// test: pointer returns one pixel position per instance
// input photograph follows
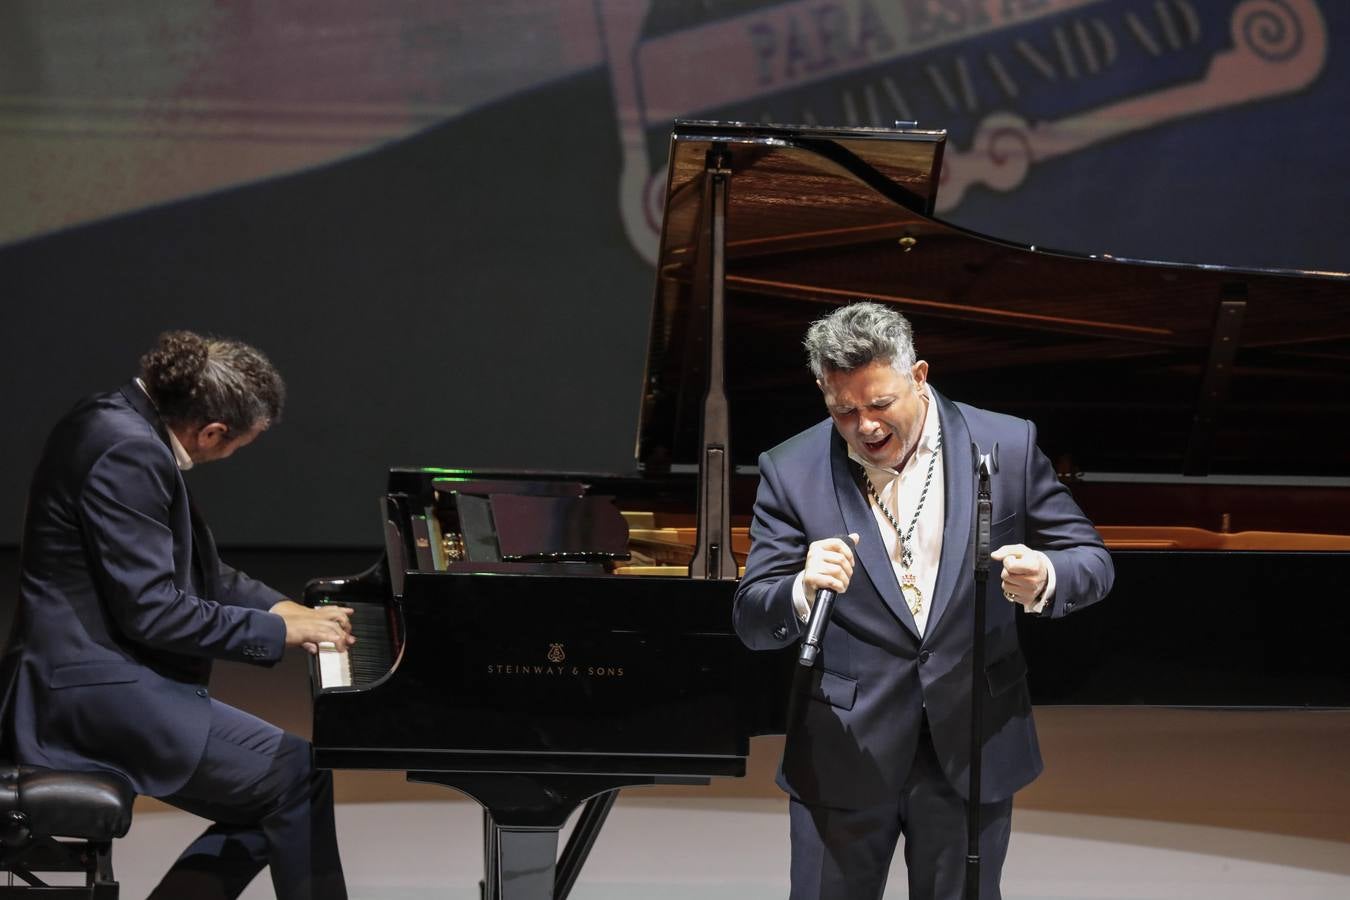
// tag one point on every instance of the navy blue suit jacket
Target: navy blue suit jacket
(123, 603)
(855, 718)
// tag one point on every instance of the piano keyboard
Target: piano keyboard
(366, 661)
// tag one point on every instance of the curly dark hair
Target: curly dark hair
(196, 379)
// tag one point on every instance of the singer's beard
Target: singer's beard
(910, 441)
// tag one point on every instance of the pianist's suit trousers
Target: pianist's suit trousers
(270, 808)
(845, 854)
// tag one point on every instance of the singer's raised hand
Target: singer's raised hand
(829, 565)
(1024, 573)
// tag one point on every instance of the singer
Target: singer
(879, 741)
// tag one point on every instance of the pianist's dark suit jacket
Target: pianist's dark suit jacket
(855, 718)
(123, 603)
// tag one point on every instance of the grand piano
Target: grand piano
(541, 640)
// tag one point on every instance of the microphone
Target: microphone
(815, 627)
(819, 618)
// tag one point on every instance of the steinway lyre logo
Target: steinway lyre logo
(556, 654)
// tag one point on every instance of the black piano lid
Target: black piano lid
(1121, 363)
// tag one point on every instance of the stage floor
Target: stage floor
(736, 849)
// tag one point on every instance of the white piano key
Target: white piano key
(335, 668)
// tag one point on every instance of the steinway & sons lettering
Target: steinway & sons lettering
(555, 671)
(554, 667)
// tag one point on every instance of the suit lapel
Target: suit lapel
(141, 403)
(958, 464)
(204, 558)
(858, 519)
(204, 550)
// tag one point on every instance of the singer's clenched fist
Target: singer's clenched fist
(829, 566)
(1024, 573)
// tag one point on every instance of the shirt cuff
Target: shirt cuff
(1049, 591)
(799, 604)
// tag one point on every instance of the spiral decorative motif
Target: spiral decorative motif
(1010, 153)
(1270, 28)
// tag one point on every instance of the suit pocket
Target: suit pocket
(836, 690)
(78, 674)
(1002, 531)
(1006, 672)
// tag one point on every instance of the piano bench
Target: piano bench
(53, 821)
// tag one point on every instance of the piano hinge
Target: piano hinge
(1216, 377)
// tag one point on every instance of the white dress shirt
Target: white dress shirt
(900, 491)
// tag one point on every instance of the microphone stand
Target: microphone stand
(983, 518)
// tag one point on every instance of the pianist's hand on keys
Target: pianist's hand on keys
(335, 666)
(309, 628)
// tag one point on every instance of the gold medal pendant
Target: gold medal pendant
(909, 588)
(913, 596)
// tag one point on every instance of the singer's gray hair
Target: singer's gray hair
(856, 335)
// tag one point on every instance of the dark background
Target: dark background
(467, 296)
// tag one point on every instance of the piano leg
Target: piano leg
(488, 887)
(522, 816)
(525, 861)
(579, 844)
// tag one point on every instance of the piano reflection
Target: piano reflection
(583, 638)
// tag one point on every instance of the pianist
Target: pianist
(124, 603)
(878, 741)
